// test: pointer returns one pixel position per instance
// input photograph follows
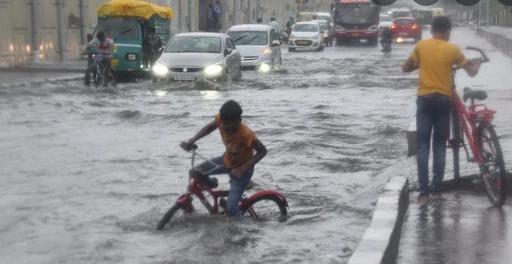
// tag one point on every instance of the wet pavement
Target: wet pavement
(463, 228)
(87, 173)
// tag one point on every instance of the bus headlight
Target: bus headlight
(213, 70)
(160, 70)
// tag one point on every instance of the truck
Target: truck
(127, 23)
(356, 20)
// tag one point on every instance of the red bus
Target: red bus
(356, 20)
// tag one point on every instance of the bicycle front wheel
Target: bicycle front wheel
(267, 208)
(492, 170)
(175, 212)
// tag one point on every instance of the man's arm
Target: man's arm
(410, 65)
(261, 151)
(205, 131)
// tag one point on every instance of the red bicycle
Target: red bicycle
(475, 123)
(264, 205)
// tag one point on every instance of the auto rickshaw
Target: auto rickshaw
(128, 23)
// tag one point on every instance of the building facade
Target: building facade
(55, 30)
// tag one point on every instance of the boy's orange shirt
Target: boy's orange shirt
(239, 145)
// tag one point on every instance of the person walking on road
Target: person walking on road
(435, 58)
(217, 15)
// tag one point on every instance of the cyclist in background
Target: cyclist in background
(435, 58)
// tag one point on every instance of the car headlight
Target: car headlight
(326, 35)
(160, 70)
(267, 51)
(265, 68)
(213, 70)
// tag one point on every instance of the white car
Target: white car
(258, 44)
(195, 56)
(385, 21)
(306, 36)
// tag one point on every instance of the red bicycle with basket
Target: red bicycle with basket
(266, 205)
(475, 123)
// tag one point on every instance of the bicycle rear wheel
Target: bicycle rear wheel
(493, 170)
(174, 212)
(266, 208)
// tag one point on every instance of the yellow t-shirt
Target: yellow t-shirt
(436, 60)
(239, 145)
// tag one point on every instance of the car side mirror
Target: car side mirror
(322, 32)
(276, 43)
(227, 52)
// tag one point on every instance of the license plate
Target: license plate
(185, 77)
(355, 34)
(403, 34)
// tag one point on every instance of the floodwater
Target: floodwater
(86, 174)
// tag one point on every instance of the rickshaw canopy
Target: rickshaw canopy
(134, 8)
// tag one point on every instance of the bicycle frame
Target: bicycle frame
(197, 188)
(470, 118)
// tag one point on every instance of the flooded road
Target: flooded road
(86, 174)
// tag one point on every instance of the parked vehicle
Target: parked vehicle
(406, 27)
(258, 45)
(128, 23)
(328, 32)
(356, 20)
(196, 56)
(306, 36)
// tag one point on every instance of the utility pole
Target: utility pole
(60, 29)
(81, 6)
(35, 30)
(189, 22)
(488, 12)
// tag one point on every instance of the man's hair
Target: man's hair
(441, 24)
(231, 111)
(272, 19)
(89, 37)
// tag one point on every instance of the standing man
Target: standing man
(217, 13)
(435, 58)
(151, 46)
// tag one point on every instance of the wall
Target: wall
(17, 45)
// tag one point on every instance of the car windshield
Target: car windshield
(305, 28)
(119, 29)
(386, 19)
(194, 44)
(241, 38)
(357, 14)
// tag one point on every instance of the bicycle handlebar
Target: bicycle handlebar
(484, 56)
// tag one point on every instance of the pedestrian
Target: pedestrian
(209, 17)
(217, 13)
(275, 25)
(91, 67)
(151, 47)
(435, 58)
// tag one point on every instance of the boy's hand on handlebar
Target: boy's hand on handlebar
(188, 145)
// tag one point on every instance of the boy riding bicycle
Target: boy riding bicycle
(238, 160)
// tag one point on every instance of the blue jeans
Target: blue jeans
(237, 186)
(433, 113)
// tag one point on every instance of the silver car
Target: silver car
(259, 45)
(195, 56)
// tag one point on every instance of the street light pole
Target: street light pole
(60, 29)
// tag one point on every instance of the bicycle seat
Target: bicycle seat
(212, 182)
(474, 94)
